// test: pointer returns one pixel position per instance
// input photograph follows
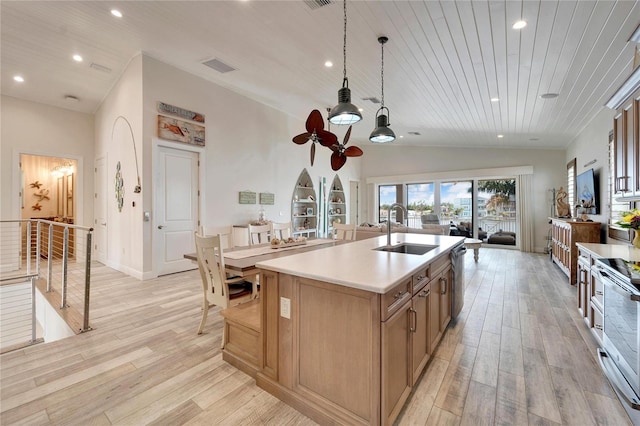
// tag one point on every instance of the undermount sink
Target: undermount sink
(407, 248)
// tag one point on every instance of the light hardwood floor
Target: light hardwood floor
(518, 354)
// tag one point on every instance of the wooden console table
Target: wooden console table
(565, 233)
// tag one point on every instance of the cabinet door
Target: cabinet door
(620, 178)
(445, 299)
(582, 287)
(420, 344)
(434, 314)
(396, 374)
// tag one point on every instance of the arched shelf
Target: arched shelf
(304, 206)
(336, 203)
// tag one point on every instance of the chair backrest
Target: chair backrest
(259, 234)
(212, 269)
(225, 232)
(344, 231)
(430, 219)
(281, 231)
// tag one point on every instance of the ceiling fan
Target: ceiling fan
(341, 152)
(316, 133)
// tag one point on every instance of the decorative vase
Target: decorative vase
(636, 239)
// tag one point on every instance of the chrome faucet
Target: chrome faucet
(389, 220)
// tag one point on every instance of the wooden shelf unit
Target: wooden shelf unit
(565, 233)
(304, 198)
(336, 204)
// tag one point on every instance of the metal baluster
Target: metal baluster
(50, 258)
(33, 309)
(65, 255)
(38, 230)
(87, 284)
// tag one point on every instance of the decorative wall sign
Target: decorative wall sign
(180, 112)
(177, 130)
(267, 198)
(247, 197)
(119, 185)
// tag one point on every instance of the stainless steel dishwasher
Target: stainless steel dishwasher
(457, 292)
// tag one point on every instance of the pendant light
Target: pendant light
(345, 112)
(382, 133)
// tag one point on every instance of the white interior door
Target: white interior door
(99, 240)
(176, 209)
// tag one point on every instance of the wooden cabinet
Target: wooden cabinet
(396, 373)
(336, 204)
(420, 344)
(444, 281)
(304, 206)
(590, 292)
(626, 179)
(565, 233)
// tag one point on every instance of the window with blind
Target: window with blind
(571, 185)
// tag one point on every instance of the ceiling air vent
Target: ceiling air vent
(414, 133)
(317, 4)
(218, 65)
(372, 99)
(100, 67)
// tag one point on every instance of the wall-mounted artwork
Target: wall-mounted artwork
(247, 197)
(177, 130)
(180, 112)
(119, 186)
(267, 198)
(68, 195)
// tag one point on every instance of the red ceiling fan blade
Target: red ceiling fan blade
(315, 121)
(353, 151)
(347, 135)
(326, 138)
(335, 147)
(337, 160)
(313, 152)
(301, 138)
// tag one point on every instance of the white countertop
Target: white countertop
(358, 265)
(621, 251)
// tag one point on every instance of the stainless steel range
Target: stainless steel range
(621, 338)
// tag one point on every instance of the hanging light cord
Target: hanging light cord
(344, 45)
(382, 74)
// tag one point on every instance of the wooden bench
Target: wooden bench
(242, 336)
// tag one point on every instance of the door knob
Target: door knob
(160, 226)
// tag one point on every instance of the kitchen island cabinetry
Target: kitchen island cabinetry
(348, 343)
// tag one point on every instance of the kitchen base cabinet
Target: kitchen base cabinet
(396, 374)
(444, 282)
(420, 344)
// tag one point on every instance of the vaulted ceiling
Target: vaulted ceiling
(444, 61)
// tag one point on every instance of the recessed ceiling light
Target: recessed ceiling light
(534, 139)
(548, 96)
(360, 109)
(401, 136)
(495, 99)
(19, 78)
(500, 136)
(116, 13)
(518, 25)
(77, 58)
(328, 64)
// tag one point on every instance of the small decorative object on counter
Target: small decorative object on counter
(631, 220)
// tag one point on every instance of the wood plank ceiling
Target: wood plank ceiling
(444, 60)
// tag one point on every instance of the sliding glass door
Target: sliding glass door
(496, 207)
(456, 207)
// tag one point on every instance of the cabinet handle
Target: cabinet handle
(599, 293)
(443, 280)
(414, 320)
(398, 295)
(424, 293)
(598, 326)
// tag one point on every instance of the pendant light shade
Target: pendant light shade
(345, 112)
(382, 133)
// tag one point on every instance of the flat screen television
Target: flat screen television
(587, 193)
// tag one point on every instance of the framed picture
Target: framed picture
(338, 211)
(309, 211)
(69, 196)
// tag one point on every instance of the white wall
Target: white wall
(33, 128)
(593, 144)
(549, 171)
(113, 141)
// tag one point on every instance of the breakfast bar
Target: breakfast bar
(345, 331)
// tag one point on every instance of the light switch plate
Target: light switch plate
(285, 308)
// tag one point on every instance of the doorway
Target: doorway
(176, 195)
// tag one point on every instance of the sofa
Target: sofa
(367, 230)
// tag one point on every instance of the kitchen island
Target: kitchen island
(345, 331)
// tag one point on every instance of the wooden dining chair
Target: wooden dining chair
(344, 231)
(259, 234)
(281, 231)
(218, 290)
(225, 232)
